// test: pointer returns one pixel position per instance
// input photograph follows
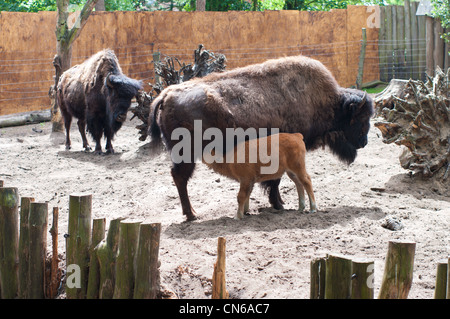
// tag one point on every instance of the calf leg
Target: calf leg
(82, 128)
(300, 175)
(181, 173)
(243, 198)
(108, 147)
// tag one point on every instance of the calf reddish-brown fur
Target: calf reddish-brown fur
(293, 94)
(290, 158)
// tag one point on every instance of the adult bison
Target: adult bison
(293, 94)
(97, 93)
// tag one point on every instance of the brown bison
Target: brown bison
(294, 94)
(98, 94)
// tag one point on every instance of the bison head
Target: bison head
(351, 124)
(120, 91)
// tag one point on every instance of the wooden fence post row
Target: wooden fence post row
(339, 277)
(123, 265)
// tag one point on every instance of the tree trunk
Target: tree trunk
(9, 242)
(38, 249)
(100, 6)
(398, 271)
(147, 281)
(200, 5)
(65, 37)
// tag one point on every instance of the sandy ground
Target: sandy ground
(268, 252)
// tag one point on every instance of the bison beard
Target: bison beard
(99, 95)
(294, 94)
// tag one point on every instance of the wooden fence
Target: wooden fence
(124, 264)
(28, 44)
(410, 44)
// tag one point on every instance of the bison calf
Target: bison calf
(289, 153)
(99, 95)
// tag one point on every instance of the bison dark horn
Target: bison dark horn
(108, 82)
(363, 100)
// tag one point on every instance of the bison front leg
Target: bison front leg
(82, 128)
(181, 173)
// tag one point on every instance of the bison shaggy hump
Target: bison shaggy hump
(294, 94)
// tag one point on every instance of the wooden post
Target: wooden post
(440, 291)
(408, 40)
(106, 252)
(415, 54)
(98, 234)
(421, 26)
(388, 12)
(219, 290)
(9, 241)
(448, 278)
(382, 52)
(338, 275)
(362, 55)
(78, 242)
(147, 280)
(438, 44)
(362, 279)
(398, 271)
(430, 45)
(318, 271)
(24, 246)
(38, 249)
(55, 273)
(157, 58)
(128, 240)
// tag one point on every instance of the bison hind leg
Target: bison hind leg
(271, 188)
(82, 128)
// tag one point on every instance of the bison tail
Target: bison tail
(154, 130)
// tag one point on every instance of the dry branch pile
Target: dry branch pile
(417, 115)
(205, 62)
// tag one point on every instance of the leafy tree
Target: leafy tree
(441, 10)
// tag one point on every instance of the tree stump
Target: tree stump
(317, 286)
(38, 249)
(106, 252)
(362, 279)
(98, 234)
(398, 270)
(9, 242)
(78, 241)
(417, 116)
(440, 291)
(147, 280)
(24, 246)
(338, 277)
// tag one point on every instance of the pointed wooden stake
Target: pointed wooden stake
(219, 290)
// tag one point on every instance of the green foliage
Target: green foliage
(441, 10)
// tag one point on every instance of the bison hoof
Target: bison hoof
(87, 149)
(68, 147)
(277, 206)
(110, 151)
(190, 217)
